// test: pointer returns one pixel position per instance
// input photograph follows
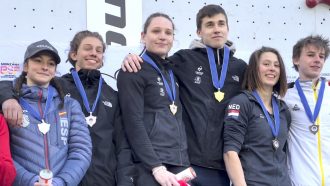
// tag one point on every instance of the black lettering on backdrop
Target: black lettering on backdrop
(119, 22)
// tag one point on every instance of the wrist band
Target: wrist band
(158, 169)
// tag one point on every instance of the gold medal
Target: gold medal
(219, 95)
(43, 127)
(173, 108)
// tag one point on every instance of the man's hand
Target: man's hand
(12, 112)
(131, 63)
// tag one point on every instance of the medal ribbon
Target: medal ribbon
(275, 128)
(218, 83)
(312, 117)
(33, 112)
(170, 92)
(40, 117)
(82, 92)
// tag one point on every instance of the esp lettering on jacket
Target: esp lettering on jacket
(64, 124)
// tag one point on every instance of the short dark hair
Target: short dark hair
(318, 41)
(154, 15)
(209, 11)
(252, 78)
(77, 39)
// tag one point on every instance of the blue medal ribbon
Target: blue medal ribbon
(275, 128)
(312, 117)
(170, 92)
(218, 83)
(33, 112)
(82, 92)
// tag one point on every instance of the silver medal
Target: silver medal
(314, 128)
(276, 144)
(26, 120)
(173, 108)
(91, 120)
(44, 127)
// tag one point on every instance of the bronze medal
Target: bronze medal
(276, 144)
(314, 129)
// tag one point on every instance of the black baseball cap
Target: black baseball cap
(40, 46)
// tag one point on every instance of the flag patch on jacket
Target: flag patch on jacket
(233, 113)
(233, 110)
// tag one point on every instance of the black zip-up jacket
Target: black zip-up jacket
(111, 155)
(247, 132)
(202, 113)
(156, 135)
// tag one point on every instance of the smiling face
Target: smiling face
(159, 36)
(310, 62)
(214, 31)
(40, 70)
(268, 70)
(89, 54)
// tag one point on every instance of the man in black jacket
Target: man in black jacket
(204, 96)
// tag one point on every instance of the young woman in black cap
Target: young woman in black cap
(53, 146)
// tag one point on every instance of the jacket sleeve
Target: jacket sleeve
(9, 93)
(23, 176)
(131, 96)
(80, 147)
(125, 171)
(7, 168)
(236, 123)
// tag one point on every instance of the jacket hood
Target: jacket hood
(197, 43)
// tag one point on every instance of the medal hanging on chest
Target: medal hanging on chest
(218, 83)
(219, 95)
(311, 116)
(314, 128)
(43, 126)
(173, 108)
(171, 91)
(275, 126)
(276, 144)
(90, 120)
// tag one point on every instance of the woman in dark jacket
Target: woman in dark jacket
(152, 111)
(256, 124)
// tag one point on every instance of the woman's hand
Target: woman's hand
(131, 63)
(164, 177)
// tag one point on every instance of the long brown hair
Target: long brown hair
(251, 78)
